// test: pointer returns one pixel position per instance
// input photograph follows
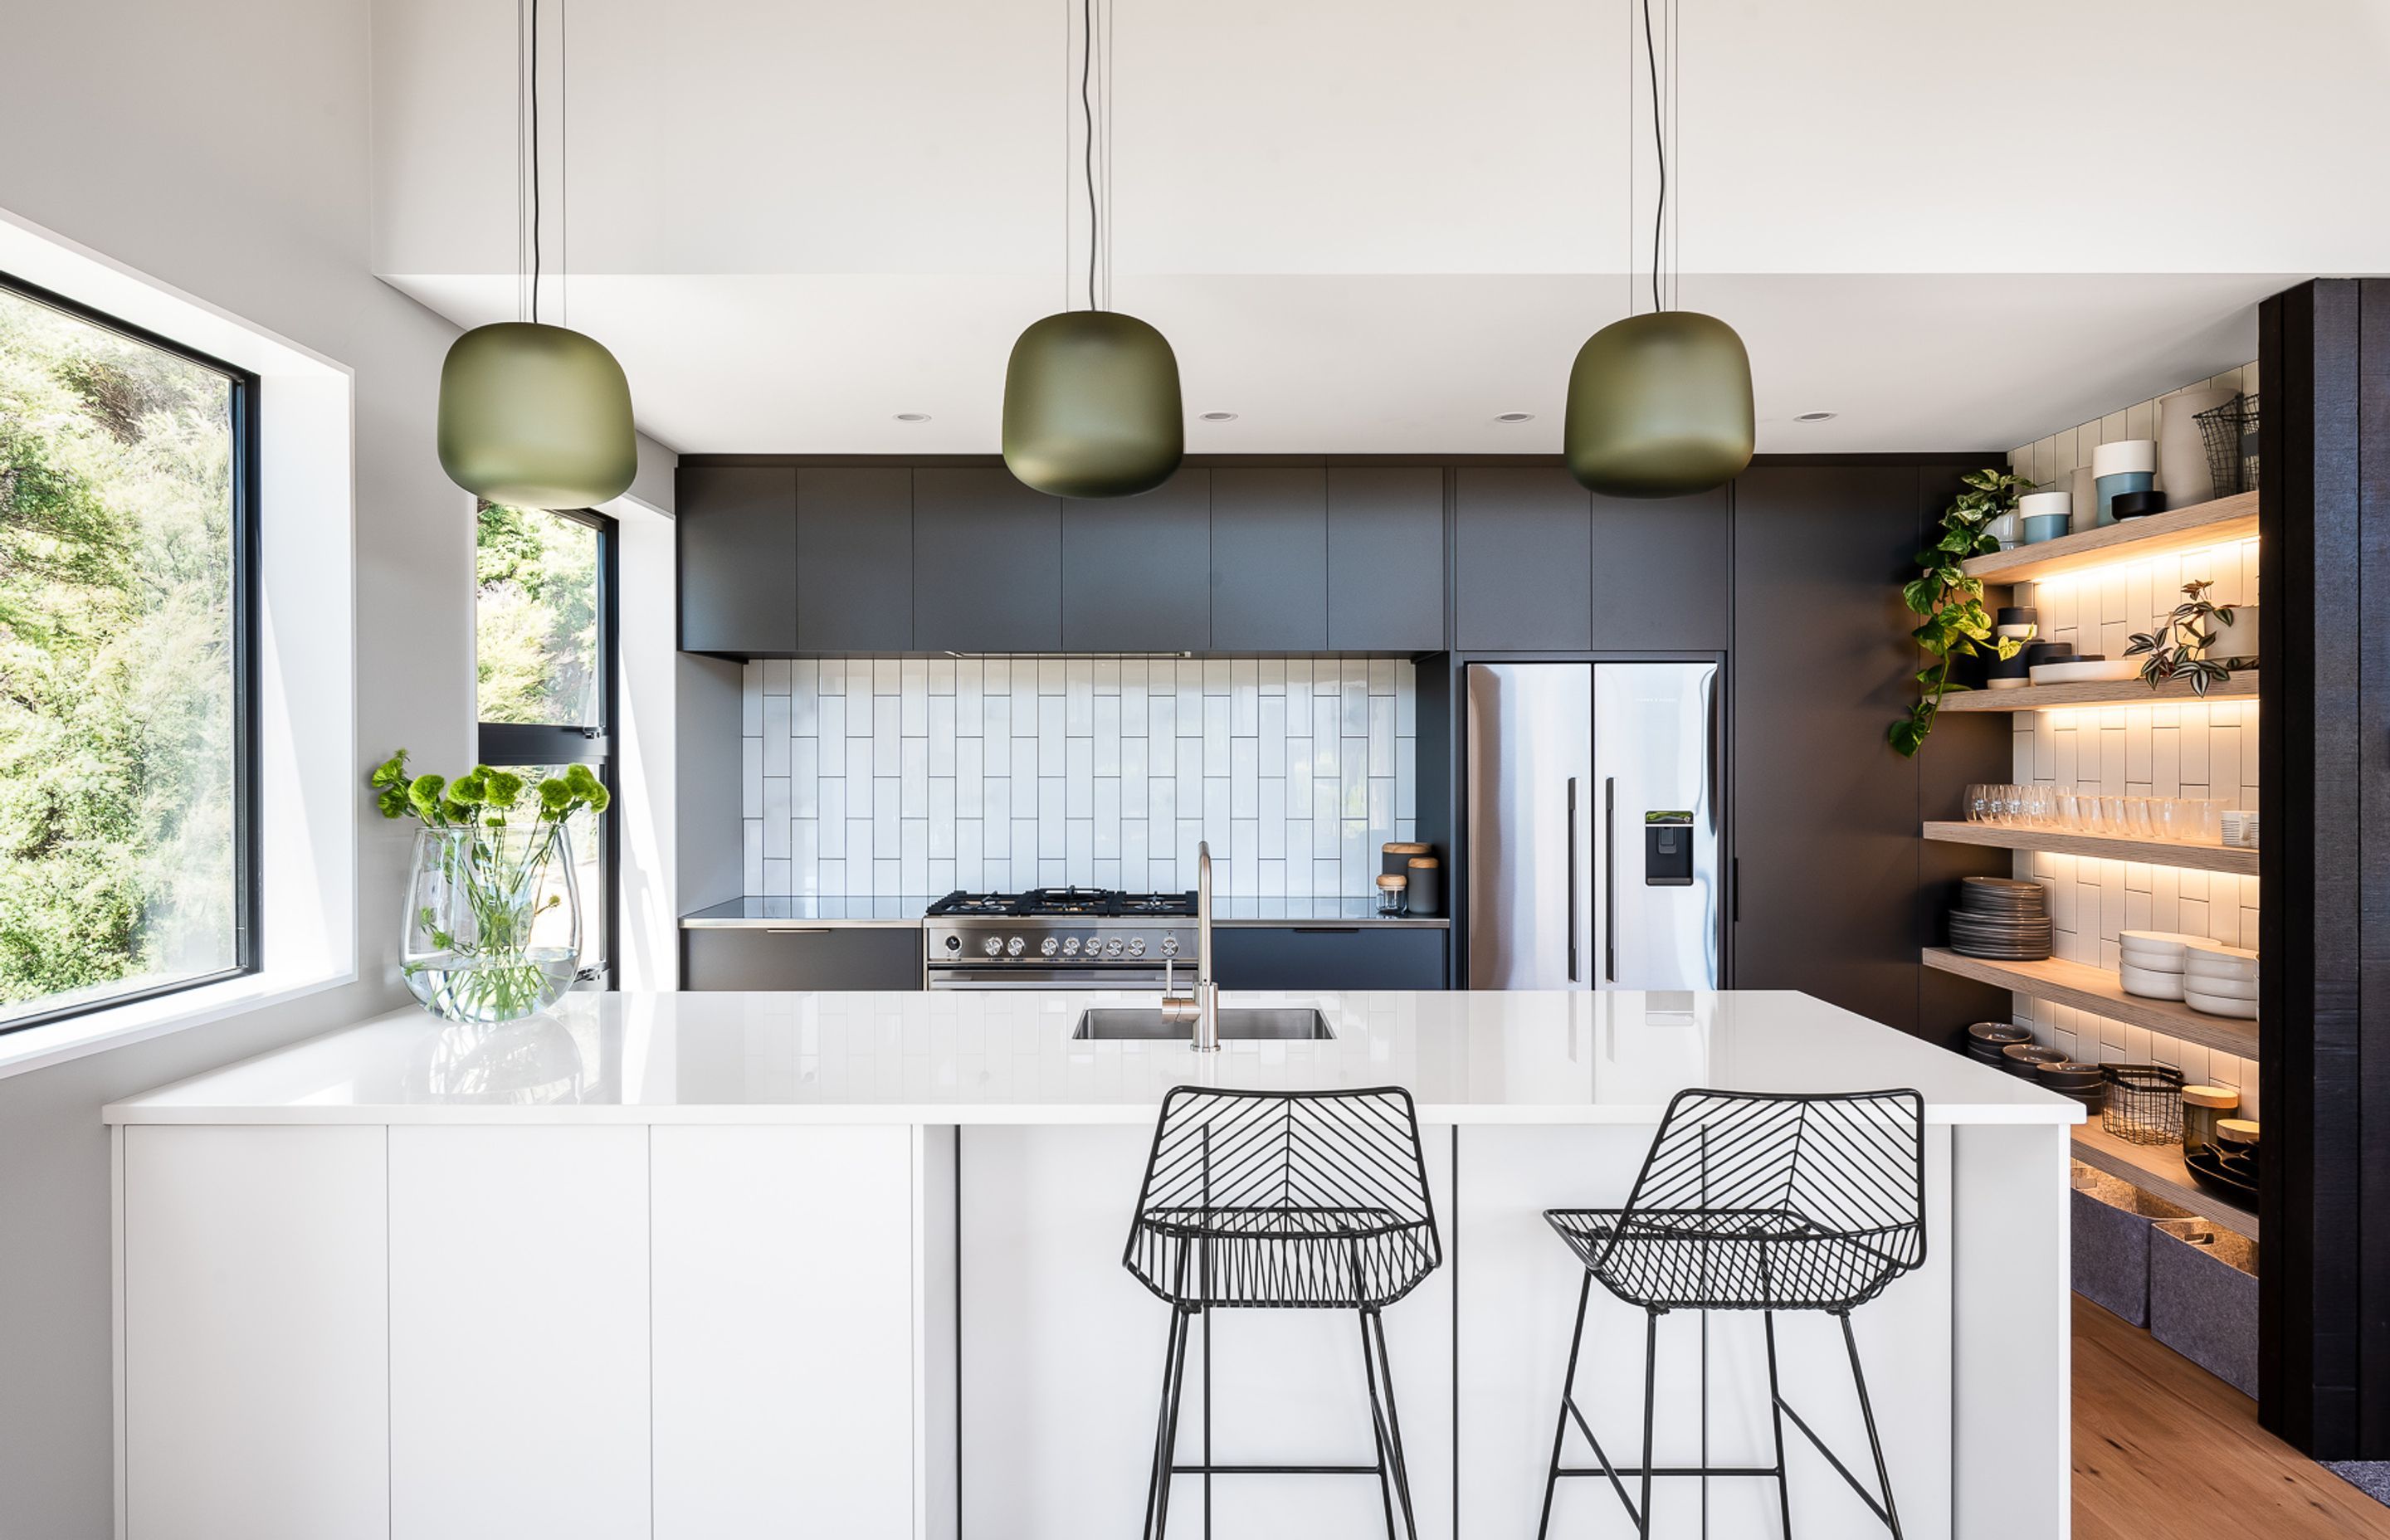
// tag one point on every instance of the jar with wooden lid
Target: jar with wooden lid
(2202, 1108)
(1393, 893)
(1395, 856)
(1426, 894)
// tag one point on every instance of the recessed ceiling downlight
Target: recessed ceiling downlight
(1514, 416)
(1815, 417)
(1219, 417)
(912, 416)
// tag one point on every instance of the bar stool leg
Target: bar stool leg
(1776, 1415)
(1651, 1385)
(1867, 1410)
(1560, 1428)
(1376, 1421)
(1377, 1322)
(1166, 1437)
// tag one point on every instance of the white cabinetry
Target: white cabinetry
(255, 1348)
(518, 1332)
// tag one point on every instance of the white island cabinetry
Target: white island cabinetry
(683, 1266)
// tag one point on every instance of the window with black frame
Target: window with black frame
(128, 495)
(543, 647)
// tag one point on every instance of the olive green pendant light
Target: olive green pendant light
(1091, 402)
(535, 416)
(1659, 405)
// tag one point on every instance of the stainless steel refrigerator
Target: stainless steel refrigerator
(1593, 827)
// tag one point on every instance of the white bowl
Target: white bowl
(2172, 941)
(2216, 1005)
(2080, 670)
(2035, 505)
(2217, 955)
(2222, 989)
(2147, 985)
(2122, 456)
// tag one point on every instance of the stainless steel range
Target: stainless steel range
(1057, 938)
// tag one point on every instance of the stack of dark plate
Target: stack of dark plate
(2025, 1060)
(2068, 1078)
(2004, 919)
(1985, 1039)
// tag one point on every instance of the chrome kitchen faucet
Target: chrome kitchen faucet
(1200, 1010)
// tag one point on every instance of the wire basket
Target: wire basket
(2144, 1103)
(2229, 433)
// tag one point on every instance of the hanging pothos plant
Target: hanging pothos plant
(1957, 624)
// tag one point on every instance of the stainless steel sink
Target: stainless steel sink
(1248, 1024)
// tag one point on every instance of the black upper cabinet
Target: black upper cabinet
(854, 559)
(987, 564)
(1523, 561)
(736, 527)
(1269, 560)
(1385, 558)
(1662, 573)
(1136, 570)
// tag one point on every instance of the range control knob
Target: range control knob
(1135, 946)
(1170, 946)
(1050, 947)
(1113, 947)
(1070, 946)
(1014, 948)
(991, 945)
(954, 943)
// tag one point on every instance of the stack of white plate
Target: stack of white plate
(2153, 962)
(2220, 980)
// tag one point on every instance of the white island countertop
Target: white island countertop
(963, 1056)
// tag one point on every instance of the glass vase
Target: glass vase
(492, 922)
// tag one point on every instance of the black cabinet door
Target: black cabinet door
(854, 559)
(835, 957)
(1826, 815)
(1523, 561)
(1663, 573)
(1136, 570)
(1329, 957)
(1269, 560)
(735, 528)
(987, 564)
(1385, 558)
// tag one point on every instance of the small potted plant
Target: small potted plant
(494, 915)
(2178, 649)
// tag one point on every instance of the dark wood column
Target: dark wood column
(2324, 767)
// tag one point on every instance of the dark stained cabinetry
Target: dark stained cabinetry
(1137, 570)
(735, 527)
(830, 957)
(1328, 956)
(987, 564)
(1662, 573)
(1523, 561)
(854, 559)
(1269, 560)
(1385, 558)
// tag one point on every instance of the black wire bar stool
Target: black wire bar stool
(1758, 1202)
(1285, 1200)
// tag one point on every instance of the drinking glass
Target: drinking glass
(2137, 817)
(1978, 803)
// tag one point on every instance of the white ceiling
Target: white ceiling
(1369, 225)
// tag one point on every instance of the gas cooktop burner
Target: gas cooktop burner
(1064, 903)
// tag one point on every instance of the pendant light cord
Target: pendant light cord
(534, 157)
(1659, 147)
(1088, 112)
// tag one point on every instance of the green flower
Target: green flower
(456, 812)
(500, 788)
(580, 778)
(393, 801)
(555, 796)
(599, 799)
(473, 786)
(390, 773)
(424, 794)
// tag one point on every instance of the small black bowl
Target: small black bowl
(2137, 505)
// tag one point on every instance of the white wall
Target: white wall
(224, 150)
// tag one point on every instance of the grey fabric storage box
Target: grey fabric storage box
(2111, 1228)
(2204, 1298)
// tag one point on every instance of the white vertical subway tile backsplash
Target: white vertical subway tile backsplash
(892, 777)
(2187, 749)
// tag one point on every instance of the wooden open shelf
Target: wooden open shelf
(2158, 1168)
(2059, 842)
(2098, 991)
(2192, 528)
(2098, 692)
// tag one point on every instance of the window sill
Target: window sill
(139, 1021)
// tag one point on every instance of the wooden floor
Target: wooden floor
(2166, 1451)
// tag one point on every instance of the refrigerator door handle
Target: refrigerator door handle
(1572, 880)
(1610, 878)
